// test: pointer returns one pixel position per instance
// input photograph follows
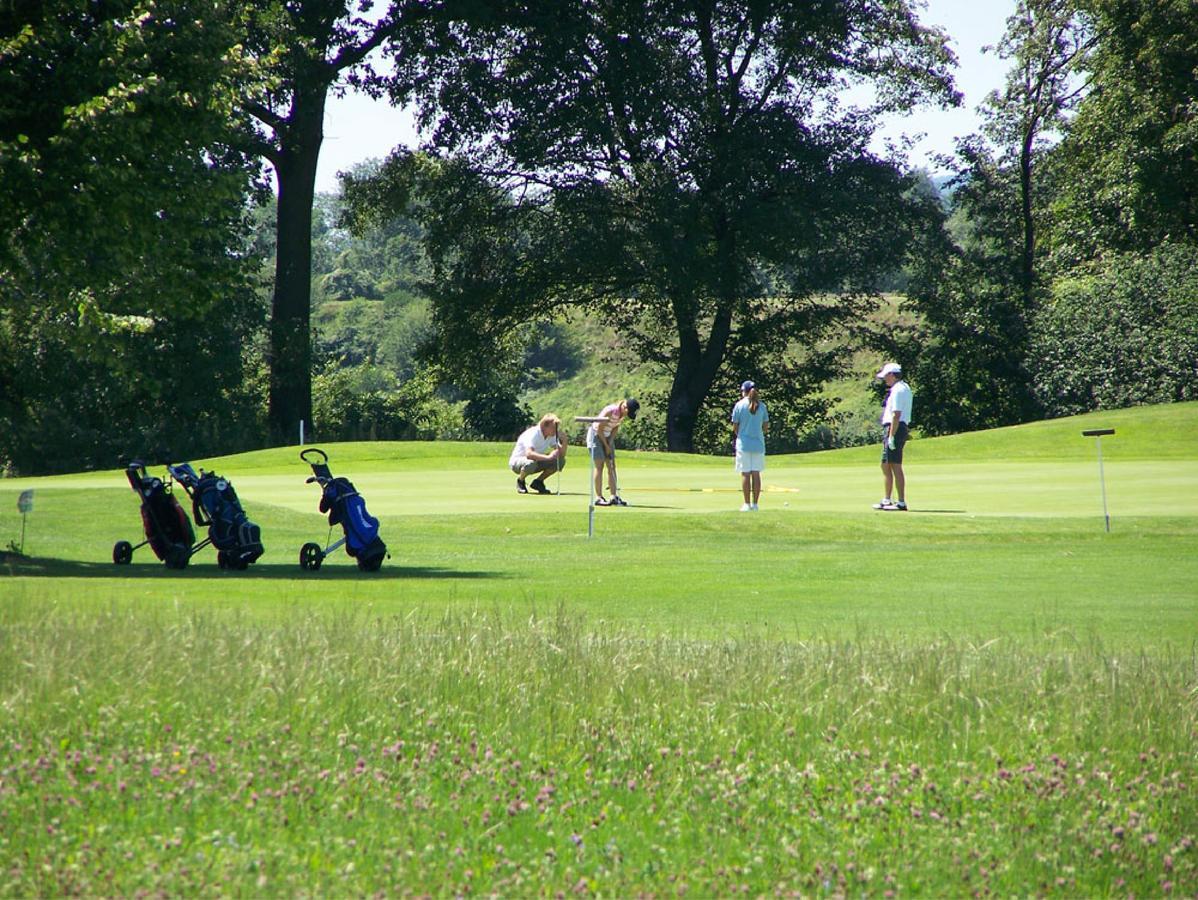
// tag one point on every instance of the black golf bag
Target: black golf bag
(168, 530)
(214, 505)
(347, 508)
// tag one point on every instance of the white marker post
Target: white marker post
(301, 443)
(590, 420)
(24, 507)
(1097, 434)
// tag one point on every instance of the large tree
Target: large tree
(126, 294)
(1129, 163)
(688, 166)
(305, 49)
(1046, 42)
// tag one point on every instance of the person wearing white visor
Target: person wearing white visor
(896, 424)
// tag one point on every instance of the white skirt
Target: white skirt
(750, 462)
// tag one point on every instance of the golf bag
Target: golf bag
(168, 530)
(347, 508)
(214, 505)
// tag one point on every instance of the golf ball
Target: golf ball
(786, 503)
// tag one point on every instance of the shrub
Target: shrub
(359, 403)
(1124, 334)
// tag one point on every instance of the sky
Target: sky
(357, 128)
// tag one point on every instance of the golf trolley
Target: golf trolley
(168, 530)
(347, 508)
(215, 505)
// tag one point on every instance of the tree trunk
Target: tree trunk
(290, 338)
(1028, 257)
(696, 372)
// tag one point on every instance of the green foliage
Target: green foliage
(688, 172)
(494, 415)
(362, 402)
(122, 190)
(188, 386)
(552, 353)
(1125, 333)
(406, 331)
(350, 331)
(1016, 318)
(126, 286)
(1129, 154)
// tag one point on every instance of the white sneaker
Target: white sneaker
(745, 507)
(753, 507)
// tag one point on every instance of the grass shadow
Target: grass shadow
(44, 567)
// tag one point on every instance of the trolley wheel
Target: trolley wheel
(122, 553)
(311, 556)
(221, 559)
(177, 557)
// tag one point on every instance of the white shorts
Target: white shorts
(749, 462)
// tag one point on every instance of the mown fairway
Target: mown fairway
(987, 693)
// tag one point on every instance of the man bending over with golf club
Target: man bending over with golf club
(601, 437)
(541, 448)
(896, 420)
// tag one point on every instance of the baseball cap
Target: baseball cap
(891, 368)
(633, 406)
(747, 386)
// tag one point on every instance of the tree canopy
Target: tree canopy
(123, 190)
(689, 168)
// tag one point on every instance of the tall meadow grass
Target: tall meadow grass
(476, 752)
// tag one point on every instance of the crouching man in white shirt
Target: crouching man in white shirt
(541, 448)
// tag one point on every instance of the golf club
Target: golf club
(617, 500)
(558, 459)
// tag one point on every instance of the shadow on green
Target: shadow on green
(68, 568)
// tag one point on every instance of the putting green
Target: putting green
(989, 547)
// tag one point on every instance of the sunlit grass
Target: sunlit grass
(347, 754)
(988, 694)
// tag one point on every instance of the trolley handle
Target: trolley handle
(324, 457)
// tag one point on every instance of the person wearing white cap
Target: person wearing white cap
(750, 425)
(896, 424)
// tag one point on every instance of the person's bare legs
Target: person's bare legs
(598, 478)
(746, 485)
(900, 482)
(756, 487)
(888, 479)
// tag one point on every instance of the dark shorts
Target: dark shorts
(896, 455)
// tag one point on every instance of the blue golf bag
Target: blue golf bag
(214, 505)
(167, 529)
(347, 508)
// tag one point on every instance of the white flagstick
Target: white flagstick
(1097, 434)
(591, 478)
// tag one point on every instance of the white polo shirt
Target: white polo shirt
(532, 439)
(899, 398)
